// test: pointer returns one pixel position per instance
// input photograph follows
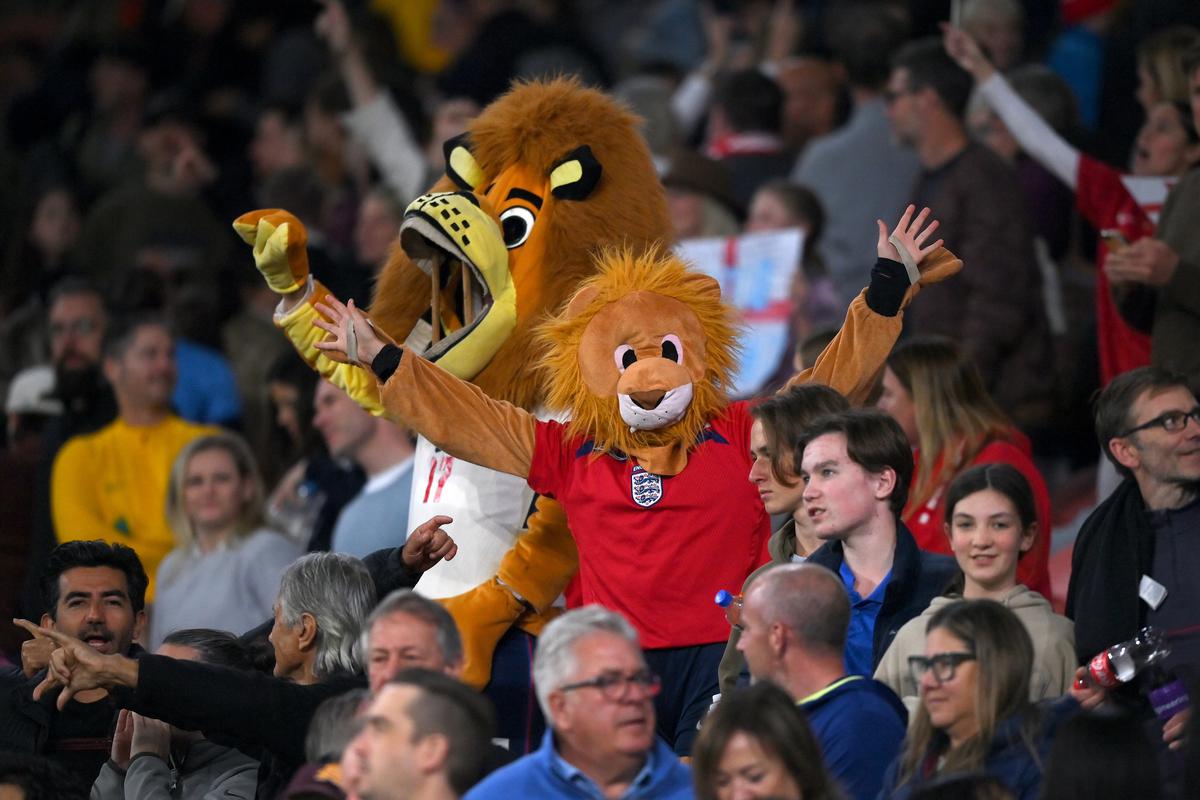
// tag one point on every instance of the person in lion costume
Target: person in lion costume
(543, 178)
(651, 465)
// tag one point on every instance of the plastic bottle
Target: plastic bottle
(732, 603)
(296, 514)
(1122, 662)
(1143, 653)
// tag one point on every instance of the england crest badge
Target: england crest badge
(646, 488)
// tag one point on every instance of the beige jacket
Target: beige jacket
(1053, 648)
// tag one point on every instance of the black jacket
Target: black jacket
(26, 724)
(1114, 549)
(917, 578)
(248, 710)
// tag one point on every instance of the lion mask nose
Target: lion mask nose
(648, 400)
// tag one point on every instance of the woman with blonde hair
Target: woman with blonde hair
(975, 713)
(938, 397)
(224, 571)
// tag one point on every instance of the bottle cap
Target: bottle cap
(723, 599)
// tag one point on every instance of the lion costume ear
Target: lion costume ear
(461, 166)
(576, 176)
(708, 285)
(580, 301)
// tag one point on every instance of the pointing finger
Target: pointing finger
(47, 633)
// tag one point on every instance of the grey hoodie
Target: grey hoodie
(208, 772)
(1053, 648)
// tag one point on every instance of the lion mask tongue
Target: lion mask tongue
(670, 409)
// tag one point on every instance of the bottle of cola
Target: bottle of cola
(1122, 662)
(1144, 653)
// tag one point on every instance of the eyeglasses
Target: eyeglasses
(615, 686)
(79, 327)
(943, 665)
(1170, 421)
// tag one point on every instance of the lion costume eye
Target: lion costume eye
(624, 357)
(672, 348)
(518, 224)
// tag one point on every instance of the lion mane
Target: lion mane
(621, 272)
(536, 124)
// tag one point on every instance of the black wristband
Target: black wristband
(889, 282)
(386, 361)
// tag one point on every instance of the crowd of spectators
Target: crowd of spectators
(206, 547)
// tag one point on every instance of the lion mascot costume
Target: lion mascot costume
(544, 177)
(651, 465)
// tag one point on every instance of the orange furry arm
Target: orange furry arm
(458, 417)
(851, 363)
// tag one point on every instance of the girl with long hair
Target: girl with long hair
(938, 397)
(990, 523)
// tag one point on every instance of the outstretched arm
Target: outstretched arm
(451, 413)
(279, 240)
(250, 708)
(1034, 134)
(852, 361)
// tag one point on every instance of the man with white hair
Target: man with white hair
(598, 696)
(322, 602)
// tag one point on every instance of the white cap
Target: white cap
(31, 392)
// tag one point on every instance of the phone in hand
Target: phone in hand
(1114, 239)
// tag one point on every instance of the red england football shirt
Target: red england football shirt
(1107, 199)
(658, 548)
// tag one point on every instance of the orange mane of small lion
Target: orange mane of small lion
(621, 273)
(537, 124)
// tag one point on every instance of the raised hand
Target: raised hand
(150, 736)
(123, 739)
(907, 237)
(333, 26)
(428, 544)
(353, 338)
(35, 652)
(966, 52)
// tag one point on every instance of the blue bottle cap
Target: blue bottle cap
(723, 599)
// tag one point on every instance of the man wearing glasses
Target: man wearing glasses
(1137, 557)
(794, 625)
(598, 697)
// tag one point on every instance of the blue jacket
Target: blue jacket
(860, 725)
(544, 775)
(1012, 759)
(917, 578)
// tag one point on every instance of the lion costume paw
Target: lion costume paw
(279, 241)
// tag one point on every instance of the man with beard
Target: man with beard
(95, 592)
(112, 484)
(77, 322)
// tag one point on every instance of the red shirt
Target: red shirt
(657, 549)
(927, 522)
(1107, 202)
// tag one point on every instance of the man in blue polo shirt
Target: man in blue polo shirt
(856, 467)
(598, 697)
(794, 624)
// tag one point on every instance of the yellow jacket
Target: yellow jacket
(112, 485)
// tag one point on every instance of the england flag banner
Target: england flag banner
(755, 271)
